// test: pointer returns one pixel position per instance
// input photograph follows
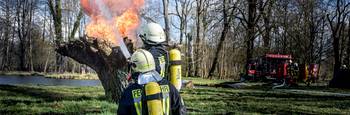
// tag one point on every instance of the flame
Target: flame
(112, 19)
(127, 22)
(101, 29)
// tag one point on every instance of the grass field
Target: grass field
(87, 76)
(202, 100)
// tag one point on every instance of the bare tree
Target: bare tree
(265, 8)
(107, 60)
(199, 35)
(183, 10)
(6, 31)
(348, 46)
(251, 25)
(24, 18)
(336, 23)
(227, 18)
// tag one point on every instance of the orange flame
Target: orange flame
(101, 29)
(122, 17)
(127, 22)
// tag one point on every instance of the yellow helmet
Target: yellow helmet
(142, 61)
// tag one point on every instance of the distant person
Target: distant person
(296, 67)
(150, 93)
(293, 71)
(344, 67)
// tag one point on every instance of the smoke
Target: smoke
(110, 7)
(104, 9)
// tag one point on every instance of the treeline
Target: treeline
(27, 37)
(220, 36)
(217, 37)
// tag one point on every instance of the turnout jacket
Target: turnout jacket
(127, 105)
(161, 59)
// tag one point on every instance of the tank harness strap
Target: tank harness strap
(154, 97)
(137, 94)
(166, 99)
(176, 62)
(167, 64)
(162, 65)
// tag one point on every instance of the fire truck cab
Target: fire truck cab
(269, 66)
(278, 67)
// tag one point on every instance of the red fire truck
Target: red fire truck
(270, 66)
(276, 66)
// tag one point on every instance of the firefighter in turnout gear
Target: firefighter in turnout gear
(153, 37)
(150, 94)
(168, 64)
(293, 71)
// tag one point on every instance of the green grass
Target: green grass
(249, 101)
(53, 100)
(71, 76)
(51, 75)
(208, 82)
(23, 99)
(19, 73)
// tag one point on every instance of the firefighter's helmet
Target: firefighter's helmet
(142, 61)
(153, 33)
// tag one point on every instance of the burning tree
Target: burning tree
(103, 48)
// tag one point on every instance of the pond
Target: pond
(40, 80)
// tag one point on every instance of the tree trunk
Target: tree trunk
(22, 57)
(46, 62)
(6, 42)
(30, 36)
(321, 46)
(250, 32)
(22, 32)
(76, 24)
(191, 67)
(166, 20)
(336, 25)
(73, 67)
(342, 39)
(226, 26)
(199, 30)
(56, 11)
(266, 35)
(30, 55)
(267, 24)
(337, 62)
(348, 46)
(113, 81)
(106, 60)
(5, 50)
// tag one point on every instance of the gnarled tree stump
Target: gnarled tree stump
(106, 59)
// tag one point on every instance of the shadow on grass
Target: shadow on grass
(12, 97)
(10, 102)
(264, 92)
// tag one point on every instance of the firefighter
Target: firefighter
(343, 67)
(153, 38)
(292, 72)
(150, 93)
